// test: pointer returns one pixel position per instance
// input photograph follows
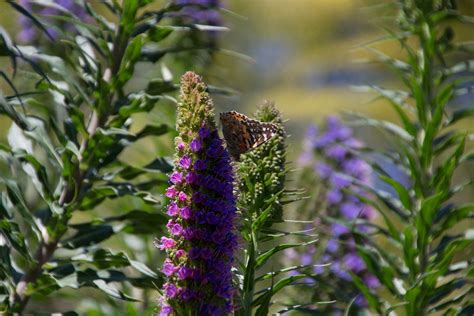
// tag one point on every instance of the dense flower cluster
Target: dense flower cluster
(330, 154)
(30, 33)
(262, 173)
(201, 239)
(201, 11)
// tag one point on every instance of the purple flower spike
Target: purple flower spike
(166, 310)
(182, 197)
(331, 153)
(186, 212)
(200, 165)
(171, 192)
(173, 209)
(170, 289)
(334, 196)
(167, 243)
(201, 251)
(185, 162)
(176, 177)
(195, 145)
(204, 132)
(168, 268)
(340, 181)
(191, 177)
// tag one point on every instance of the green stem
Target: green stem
(249, 278)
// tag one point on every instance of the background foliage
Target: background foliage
(73, 118)
(422, 265)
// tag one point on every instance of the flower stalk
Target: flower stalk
(201, 242)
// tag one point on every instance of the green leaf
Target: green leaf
(87, 236)
(371, 298)
(111, 290)
(455, 216)
(446, 289)
(141, 222)
(159, 86)
(393, 231)
(265, 302)
(158, 33)
(430, 206)
(15, 195)
(141, 267)
(11, 231)
(153, 130)
(403, 193)
(44, 285)
(113, 190)
(132, 55)
(264, 257)
(460, 114)
(11, 112)
(409, 250)
(129, 11)
(276, 288)
(39, 175)
(159, 165)
(390, 128)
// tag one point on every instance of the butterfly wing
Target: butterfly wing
(243, 133)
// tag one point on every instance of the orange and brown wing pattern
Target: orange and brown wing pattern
(242, 133)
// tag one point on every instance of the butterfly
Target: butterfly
(243, 134)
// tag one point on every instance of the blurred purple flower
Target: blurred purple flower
(166, 310)
(30, 32)
(331, 153)
(200, 11)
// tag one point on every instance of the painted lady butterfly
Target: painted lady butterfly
(242, 133)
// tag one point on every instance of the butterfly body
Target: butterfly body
(243, 134)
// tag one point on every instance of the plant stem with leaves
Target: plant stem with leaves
(261, 185)
(78, 118)
(425, 271)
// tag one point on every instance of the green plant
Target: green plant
(261, 176)
(62, 163)
(418, 255)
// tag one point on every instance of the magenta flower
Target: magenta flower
(180, 253)
(195, 145)
(168, 268)
(201, 242)
(185, 162)
(182, 197)
(173, 209)
(176, 177)
(170, 289)
(166, 310)
(186, 212)
(167, 243)
(171, 192)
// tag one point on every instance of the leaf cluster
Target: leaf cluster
(418, 256)
(63, 158)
